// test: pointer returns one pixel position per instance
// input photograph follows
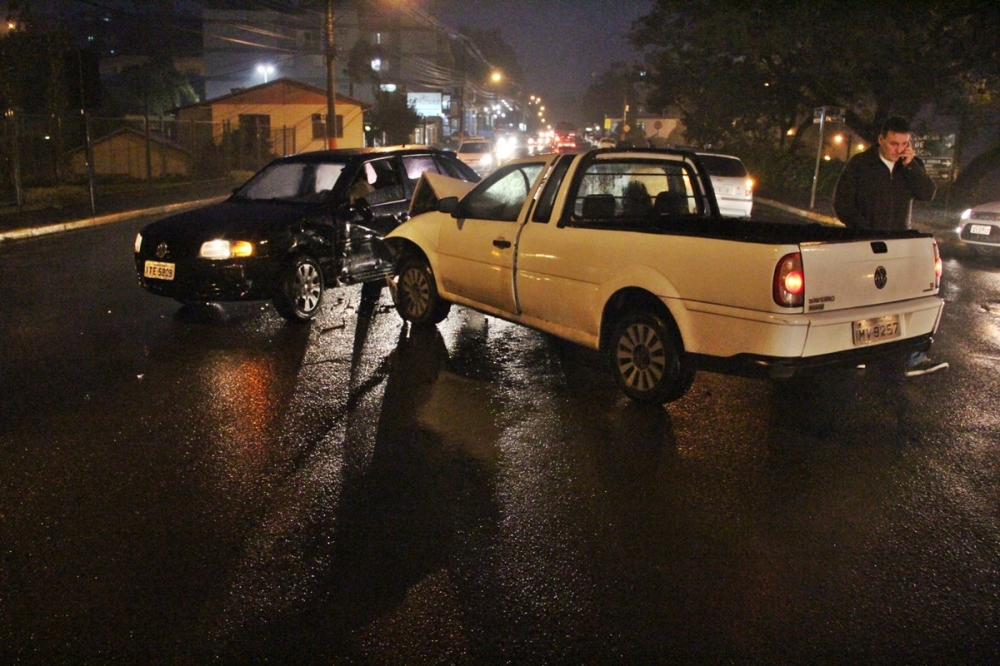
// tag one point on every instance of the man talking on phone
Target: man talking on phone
(876, 190)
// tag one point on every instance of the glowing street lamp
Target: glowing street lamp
(265, 70)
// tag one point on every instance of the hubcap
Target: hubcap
(307, 288)
(642, 358)
(415, 292)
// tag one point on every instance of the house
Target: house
(283, 116)
(123, 153)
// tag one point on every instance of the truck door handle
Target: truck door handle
(501, 243)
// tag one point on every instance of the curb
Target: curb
(815, 217)
(32, 232)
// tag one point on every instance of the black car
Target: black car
(301, 224)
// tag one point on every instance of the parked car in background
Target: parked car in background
(980, 228)
(303, 223)
(733, 185)
(607, 142)
(477, 152)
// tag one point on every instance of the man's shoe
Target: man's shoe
(925, 367)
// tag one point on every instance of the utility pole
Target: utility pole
(331, 81)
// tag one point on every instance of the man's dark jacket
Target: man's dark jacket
(868, 196)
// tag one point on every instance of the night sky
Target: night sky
(559, 43)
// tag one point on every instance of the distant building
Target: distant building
(284, 115)
(123, 153)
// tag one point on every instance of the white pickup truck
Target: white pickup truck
(625, 252)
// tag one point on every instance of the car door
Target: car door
(386, 193)
(477, 249)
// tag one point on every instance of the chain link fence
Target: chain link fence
(49, 158)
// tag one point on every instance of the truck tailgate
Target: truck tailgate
(854, 274)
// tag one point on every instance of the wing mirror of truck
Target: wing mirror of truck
(449, 205)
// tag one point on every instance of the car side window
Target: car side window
(501, 197)
(384, 180)
(416, 165)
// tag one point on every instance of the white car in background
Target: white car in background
(732, 184)
(478, 153)
(980, 228)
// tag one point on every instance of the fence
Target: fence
(45, 153)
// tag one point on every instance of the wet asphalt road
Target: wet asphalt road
(196, 485)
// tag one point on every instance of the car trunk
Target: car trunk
(845, 275)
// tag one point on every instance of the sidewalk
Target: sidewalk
(40, 219)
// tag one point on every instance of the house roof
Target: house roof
(153, 137)
(275, 92)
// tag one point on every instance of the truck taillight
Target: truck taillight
(789, 281)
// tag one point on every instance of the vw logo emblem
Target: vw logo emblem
(161, 251)
(881, 277)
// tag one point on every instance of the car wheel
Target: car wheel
(648, 360)
(417, 299)
(300, 289)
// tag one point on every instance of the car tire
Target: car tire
(417, 299)
(648, 359)
(300, 289)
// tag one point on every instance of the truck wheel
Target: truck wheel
(300, 289)
(648, 360)
(417, 299)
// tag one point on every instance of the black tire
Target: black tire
(417, 299)
(648, 360)
(300, 289)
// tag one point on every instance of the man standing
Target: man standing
(876, 191)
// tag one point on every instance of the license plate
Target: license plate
(158, 270)
(868, 331)
(981, 229)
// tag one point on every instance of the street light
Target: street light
(265, 70)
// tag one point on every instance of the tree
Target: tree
(393, 117)
(749, 71)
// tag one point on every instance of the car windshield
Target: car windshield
(726, 167)
(292, 181)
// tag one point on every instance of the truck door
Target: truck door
(477, 249)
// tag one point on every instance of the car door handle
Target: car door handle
(501, 243)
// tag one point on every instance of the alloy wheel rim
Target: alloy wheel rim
(642, 358)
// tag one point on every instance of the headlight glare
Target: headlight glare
(224, 249)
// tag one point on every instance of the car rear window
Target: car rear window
(727, 167)
(477, 147)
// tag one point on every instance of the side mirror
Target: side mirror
(449, 205)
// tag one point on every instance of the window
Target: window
(319, 127)
(386, 184)
(416, 165)
(503, 194)
(634, 190)
(292, 181)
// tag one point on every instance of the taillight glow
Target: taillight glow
(938, 266)
(789, 281)
(749, 186)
